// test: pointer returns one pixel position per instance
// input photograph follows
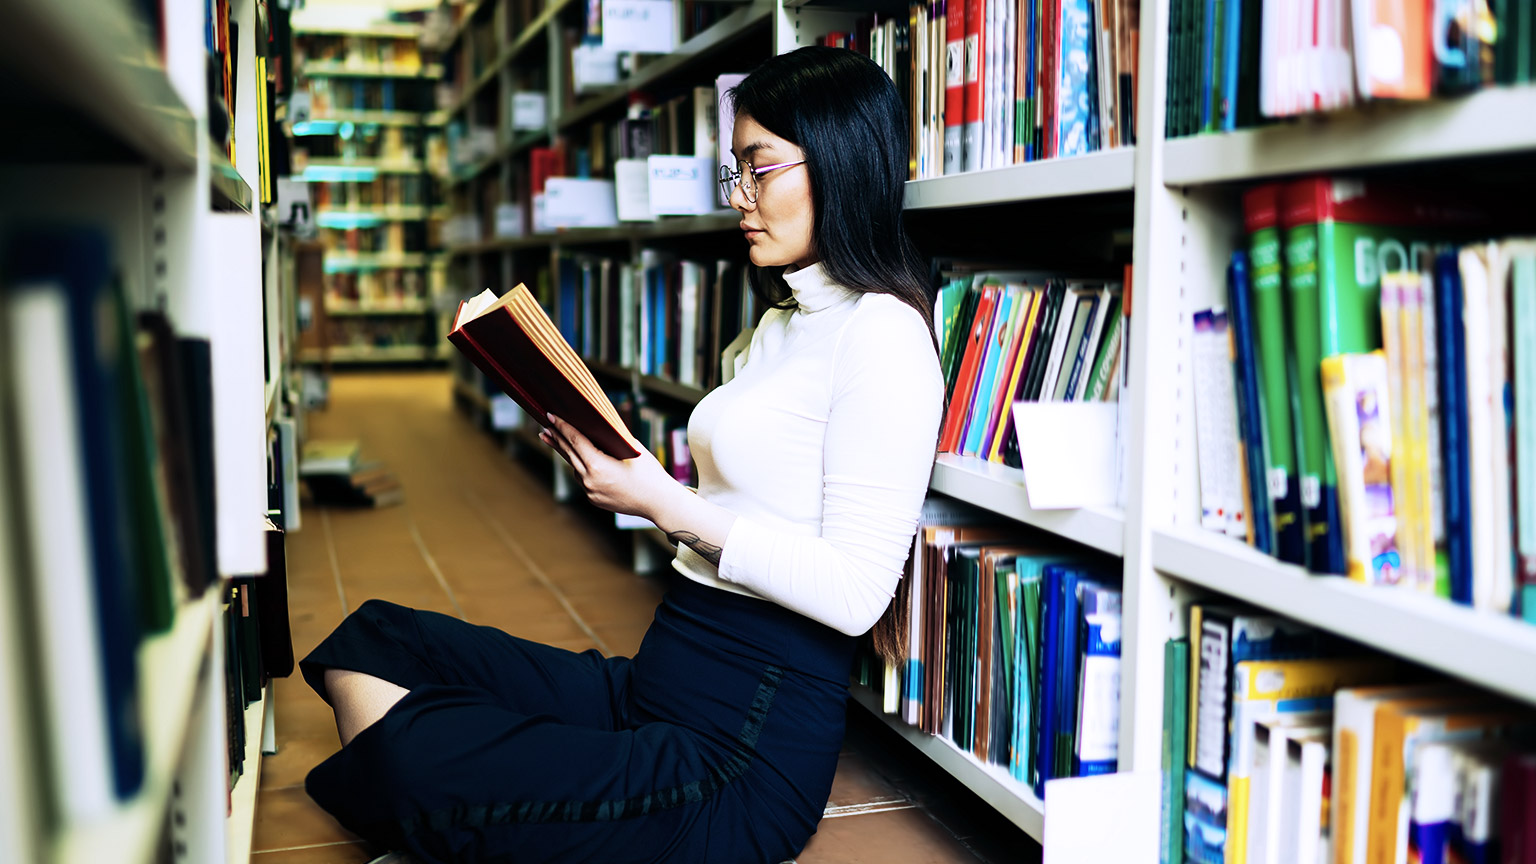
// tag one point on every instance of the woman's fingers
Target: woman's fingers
(581, 447)
(563, 446)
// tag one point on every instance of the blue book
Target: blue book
(74, 268)
(1250, 406)
(569, 288)
(1230, 45)
(1050, 670)
(1098, 703)
(1450, 337)
(1072, 79)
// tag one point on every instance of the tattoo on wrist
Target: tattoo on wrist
(708, 551)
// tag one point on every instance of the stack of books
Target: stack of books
(336, 476)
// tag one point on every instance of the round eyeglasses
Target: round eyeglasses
(746, 176)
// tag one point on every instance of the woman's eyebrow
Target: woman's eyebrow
(747, 152)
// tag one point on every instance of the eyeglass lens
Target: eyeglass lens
(742, 176)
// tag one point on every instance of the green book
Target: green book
(1175, 743)
(1340, 235)
(1277, 392)
(1108, 348)
(151, 540)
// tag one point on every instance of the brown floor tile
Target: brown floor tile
(338, 853)
(287, 817)
(858, 782)
(909, 836)
(294, 759)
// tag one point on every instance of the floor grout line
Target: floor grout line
(421, 546)
(536, 570)
(842, 810)
(308, 846)
(330, 547)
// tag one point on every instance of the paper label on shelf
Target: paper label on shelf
(530, 110)
(642, 26)
(505, 413)
(593, 66)
(682, 185)
(1085, 429)
(632, 183)
(570, 202)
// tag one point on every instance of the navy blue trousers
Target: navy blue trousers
(716, 742)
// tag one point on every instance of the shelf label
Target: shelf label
(642, 26)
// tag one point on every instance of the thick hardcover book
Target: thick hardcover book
(1250, 405)
(515, 344)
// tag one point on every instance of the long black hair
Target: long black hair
(844, 112)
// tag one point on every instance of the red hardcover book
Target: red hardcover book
(975, 83)
(954, 86)
(960, 401)
(515, 344)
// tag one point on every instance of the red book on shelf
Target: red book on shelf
(960, 400)
(515, 344)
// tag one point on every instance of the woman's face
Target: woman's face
(779, 224)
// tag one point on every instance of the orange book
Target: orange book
(976, 340)
(514, 343)
(1397, 45)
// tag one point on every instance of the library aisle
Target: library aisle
(479, 536)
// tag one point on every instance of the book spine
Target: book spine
(1319, 495)
(1250, 406)
(1523, 349)
(1475, 269)
(1432, 484)
(955, 34)
(1175, 735)
(1208, 450)
(1098, 697)
(1359, 417)
(1103, 367)
(1456, 488)
(1276, 374)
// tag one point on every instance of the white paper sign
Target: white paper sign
(1087, 431)
(632, 181)
(642, 26)
(593, 66)
(570, 202)
(530, 110)
(682, 185)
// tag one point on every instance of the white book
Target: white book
(1267, 775)
(1007, 96)
(628, 307)
(55, 506)
(1095, 333)
(1476, 262)
(688, 315)
(1305, 838)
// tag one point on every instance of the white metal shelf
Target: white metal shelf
(94, 57)
(992, 783)
(1493, 651)
(376, 118)
(1108, 171)
(387, 213)
(242, 799)
(169, 666)
(1001, 489)
(1498, 120)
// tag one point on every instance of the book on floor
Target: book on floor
(512, 340)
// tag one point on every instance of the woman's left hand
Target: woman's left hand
(636, 486)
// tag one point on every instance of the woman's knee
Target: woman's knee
(359, 700)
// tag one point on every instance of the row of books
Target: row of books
(1359, 401)
(661, 431)
(112, 413)
(392, 287)
(329, 95)
(663, 316)
(390, 237)
(1010, 647)
(362, 52)
(992, 83)
(1009, 337)
(1233, 63)
(1282, 745)
(385, 190)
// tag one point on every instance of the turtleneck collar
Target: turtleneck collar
(813, 290)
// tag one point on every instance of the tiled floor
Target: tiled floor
(481, 537)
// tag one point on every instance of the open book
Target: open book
(515, 344)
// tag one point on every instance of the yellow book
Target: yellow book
(1360, 431)
(1032, 313)
(1393, 343)
(1414, 529)
(1264, 689)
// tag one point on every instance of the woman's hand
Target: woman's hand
(636, 487)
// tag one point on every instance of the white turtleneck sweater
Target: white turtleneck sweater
(821, 446)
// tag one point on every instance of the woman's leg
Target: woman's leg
(359, 700)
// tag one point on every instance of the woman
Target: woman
(718, 741)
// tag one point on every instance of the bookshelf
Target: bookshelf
(121, 148)
(370, 148)
(1179, 198)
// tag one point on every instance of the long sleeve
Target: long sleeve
(881, 428)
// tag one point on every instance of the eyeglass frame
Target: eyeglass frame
(734, 177)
